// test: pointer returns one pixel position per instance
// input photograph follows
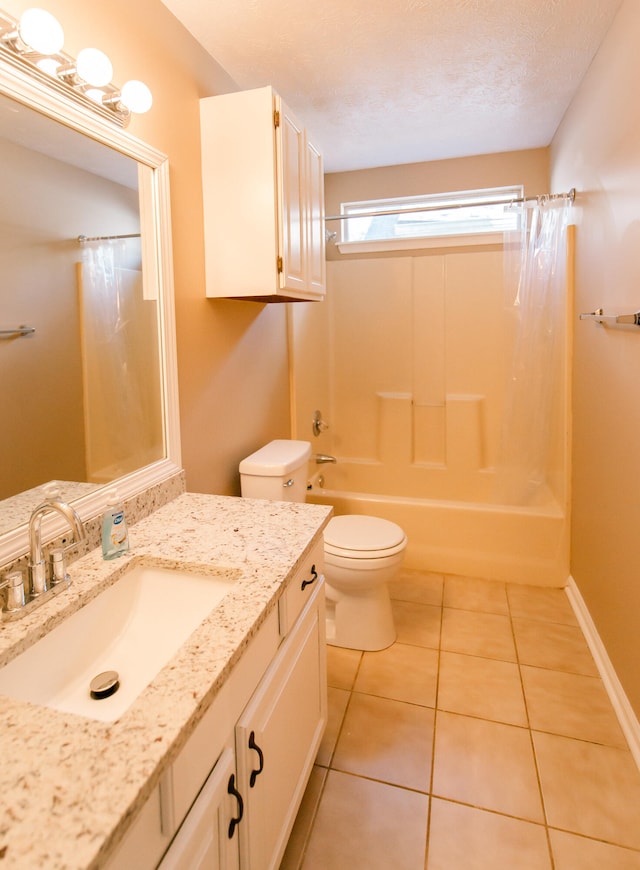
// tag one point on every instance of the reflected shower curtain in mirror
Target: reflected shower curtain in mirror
(535, 281)
(121, 378)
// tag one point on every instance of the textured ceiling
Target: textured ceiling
(380, 82)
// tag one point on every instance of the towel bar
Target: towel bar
(612, 319)
(19, 330)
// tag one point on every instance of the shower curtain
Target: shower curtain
(535, 281)
(120, 368)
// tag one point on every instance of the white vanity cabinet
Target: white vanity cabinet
(263, 195)
(277, 738)
(229, 800)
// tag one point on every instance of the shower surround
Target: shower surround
(408, 359)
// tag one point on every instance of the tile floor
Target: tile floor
(483, 739)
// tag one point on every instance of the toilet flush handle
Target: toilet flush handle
(288, 482)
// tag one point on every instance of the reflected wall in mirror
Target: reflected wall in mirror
(84, 396)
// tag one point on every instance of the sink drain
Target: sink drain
(105, 684)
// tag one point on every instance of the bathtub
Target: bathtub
(526, 545)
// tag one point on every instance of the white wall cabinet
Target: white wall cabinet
(263, 195)
(230, 799)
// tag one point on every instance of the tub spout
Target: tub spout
(321, 458)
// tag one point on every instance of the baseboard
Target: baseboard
(623, 709)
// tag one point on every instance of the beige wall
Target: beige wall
(231, 355)
(597, 150)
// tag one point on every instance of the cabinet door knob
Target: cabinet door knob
(232, 790)
(255, 773)
(314, 577)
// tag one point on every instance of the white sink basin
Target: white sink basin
(134, 628)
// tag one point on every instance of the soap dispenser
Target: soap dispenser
(115, 537)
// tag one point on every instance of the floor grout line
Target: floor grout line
(531, 740)
(433, 738)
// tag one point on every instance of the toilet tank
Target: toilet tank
(277, 471)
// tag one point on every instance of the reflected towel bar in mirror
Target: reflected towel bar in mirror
(612, 319)
(83, 239)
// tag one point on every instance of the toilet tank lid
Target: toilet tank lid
(357, 532)
(278, 457)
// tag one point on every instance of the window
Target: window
(433, 216)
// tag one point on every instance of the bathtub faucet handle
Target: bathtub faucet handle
(317, 424)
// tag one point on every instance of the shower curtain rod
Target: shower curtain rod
(83, 239)
(545, 197)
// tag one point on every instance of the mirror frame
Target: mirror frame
(40, 92)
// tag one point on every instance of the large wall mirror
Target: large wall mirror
(88, 387)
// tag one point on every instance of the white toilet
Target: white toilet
(362, 554)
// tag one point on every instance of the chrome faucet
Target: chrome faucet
(38, 580)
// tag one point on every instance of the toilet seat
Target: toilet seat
(363, 537)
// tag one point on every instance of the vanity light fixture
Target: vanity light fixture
(35, 41)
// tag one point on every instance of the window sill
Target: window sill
(472, 240)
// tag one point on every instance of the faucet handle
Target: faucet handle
(58, 563)
(15, 591)
(318, 424)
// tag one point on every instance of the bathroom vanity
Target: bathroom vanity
(211, 759)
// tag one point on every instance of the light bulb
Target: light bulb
(94, 67)
(41, 31)
(48, 65)
(136, 96)
(94, 94)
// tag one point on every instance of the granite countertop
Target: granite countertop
(69, 785)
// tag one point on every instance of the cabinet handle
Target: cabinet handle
(232, 790)
(314, 577)
(255, 773)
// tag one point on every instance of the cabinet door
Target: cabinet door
(208, 838)
(277, 739)
(316, 280)
(293, 241)
(239, 189)
(147, 838)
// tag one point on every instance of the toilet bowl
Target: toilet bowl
(361, 553)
